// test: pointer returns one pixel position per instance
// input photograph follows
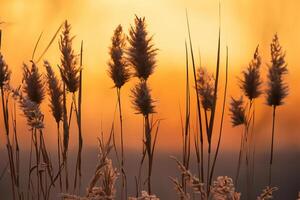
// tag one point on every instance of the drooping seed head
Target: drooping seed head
(4, 72)
(251, 81)
(141, 53)
(237, 112)
(118, 65)
(277, 88)
(33, 83)
(31, 110)
(55, 93)
(206, 86)
(142, 101)
(69, 68)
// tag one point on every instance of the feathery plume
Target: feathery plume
(105, 174)
(33, 83)
(69, 69)
(267, 193)
(55, 92)
(192, 181)
(142, 100)
(237, 111)
(141, 53)
(145, 196)
(206, 86)
(277, 89)
(223, 188)
(31, 109)
(118, 65)
(4, 72)
(251, 81)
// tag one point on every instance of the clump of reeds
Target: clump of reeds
(105, 174)
(141, 55)
(4, 83)
(222, 188)
(277, 88)
(55, 93)
(120, 74)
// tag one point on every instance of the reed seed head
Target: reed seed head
(223, 188)
(118, 65)
(31, 110)
(141, 53)
(206, 86)
(251, 81)
(70, 72)
(267, 193)
(33, 83)
(142, 101)
(237, 112)
(4, 72)
(55, 93)
(277, 89)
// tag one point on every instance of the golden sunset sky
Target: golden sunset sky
(244, 25)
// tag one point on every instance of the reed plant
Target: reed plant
(33, 88)
(250, 84)
(71, 76)
(4, 82)
(141, 56)
(120, 74)
(55, 93)
(185, 124)
(277, 88)
(105, 175)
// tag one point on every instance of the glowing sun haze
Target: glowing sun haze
(244, 25)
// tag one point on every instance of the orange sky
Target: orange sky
(245, 23)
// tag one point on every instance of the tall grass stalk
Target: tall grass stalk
(4, 81)
(222, 120)
(277, 88)
(250, 84)
(56, 105)
(70, 74)
(78, 116)
(142, 57)
(198, 102)
(119, 73)
(186, 139)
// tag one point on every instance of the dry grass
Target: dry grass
(137, 59)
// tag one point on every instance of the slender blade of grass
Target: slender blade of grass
(197, 95)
